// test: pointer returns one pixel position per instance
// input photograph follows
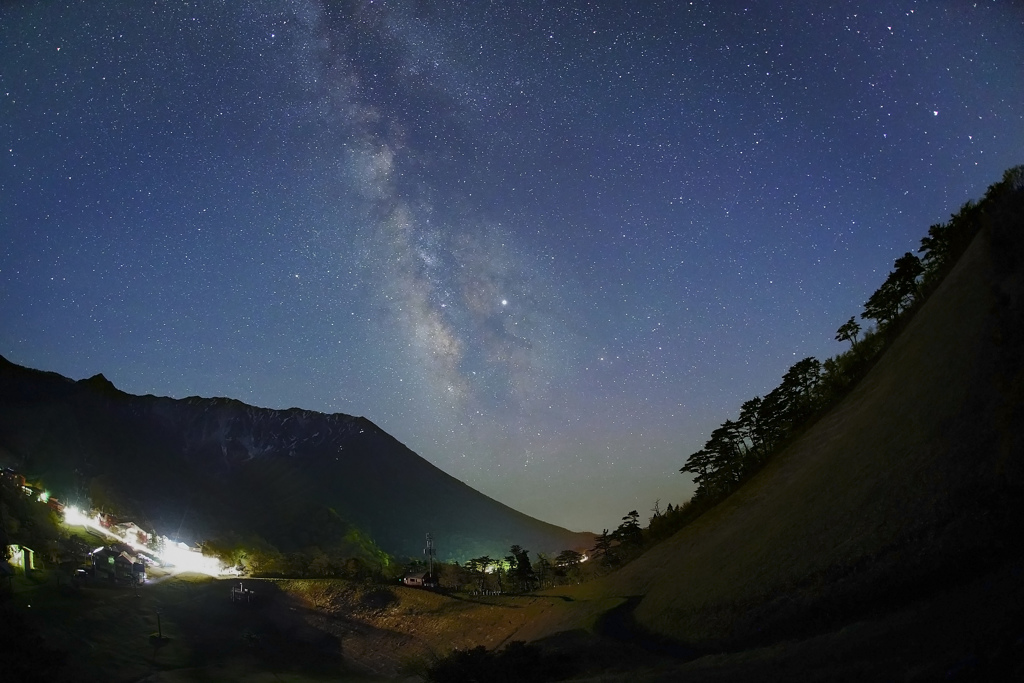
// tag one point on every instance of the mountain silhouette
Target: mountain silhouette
(200, 467)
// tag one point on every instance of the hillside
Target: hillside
(911, 485)
(202, 467)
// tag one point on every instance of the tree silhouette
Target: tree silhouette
(907, 269)
(849, 331)
(727, 452)
(749, 427)
(701, 464)
(604, 549)
(520, 568)
(772, 417)
(478, 567)
(568, 558)
(629, 532)
(896, 293)
(802, 378)
(567, 564)
(543, 569)
(935, 247)
(882, 306)
(792, 401)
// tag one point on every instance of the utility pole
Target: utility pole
(429, 551)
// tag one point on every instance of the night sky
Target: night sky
(547, 245)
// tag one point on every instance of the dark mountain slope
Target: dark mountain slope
(913, 484)
(207, 466)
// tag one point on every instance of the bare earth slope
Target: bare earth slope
(910, 485)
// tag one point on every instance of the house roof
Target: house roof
(116, 553)
(417, 575)
(128, 556)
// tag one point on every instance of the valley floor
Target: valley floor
(331, 630)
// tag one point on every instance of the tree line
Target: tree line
(741, 446)
(517, 573)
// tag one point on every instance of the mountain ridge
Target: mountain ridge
(87, 436)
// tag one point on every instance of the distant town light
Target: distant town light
(74, 517)
(178, 555)
(185, 559)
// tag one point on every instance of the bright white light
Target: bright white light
(185, 560)
(74, 517)
(178, 555)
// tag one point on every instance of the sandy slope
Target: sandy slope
(888, 488)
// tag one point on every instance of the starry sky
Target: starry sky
(547, 245)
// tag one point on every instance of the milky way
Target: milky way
(549, 246)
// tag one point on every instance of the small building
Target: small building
(420, 579)
(23, 557)
(114, 564)
(13, 477)
(131, 532)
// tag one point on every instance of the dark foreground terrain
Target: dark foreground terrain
(332, 630)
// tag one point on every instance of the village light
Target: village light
(44, 496)
(187, 560)
(179, 555)
(74, 517)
